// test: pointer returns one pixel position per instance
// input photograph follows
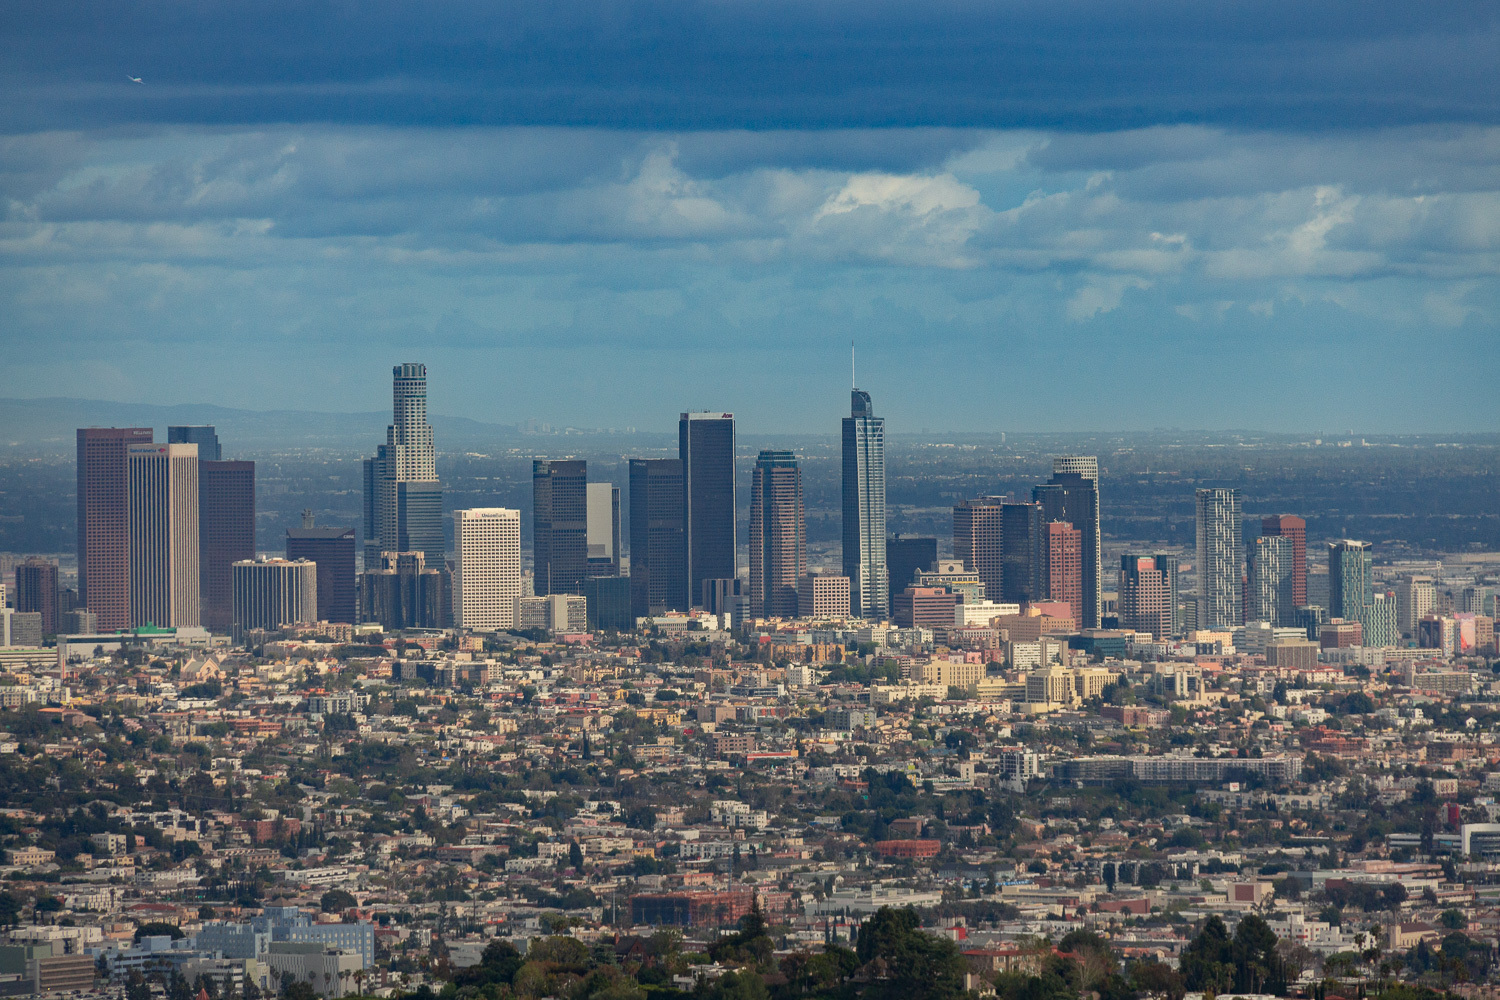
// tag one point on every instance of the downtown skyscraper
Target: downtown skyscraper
(403, 500)
(559, 526)
(778, 535)
(486, 567)
(104, 522)
(163, 506)
(1220, 589)
(864, 510)
(226, 522)
(1072, 495)
(705, 445)
(658, 558)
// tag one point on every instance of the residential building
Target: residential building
(1351, 579)
(1072, 495)
(1294, 529)
(104, 522)
(864, 551)
(1062, 571)
(1271, 575)
(658, 559)
(1377, 621)
(164, 545)
(705, 444)
(486, 567)
(561, 613)
(1219, 570)
(979, 540)
(1415, 597)
(778, 535)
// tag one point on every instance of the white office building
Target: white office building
(163, 514)
(487, 567)
(274, 593)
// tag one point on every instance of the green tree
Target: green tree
(337, 901)
(904, 962)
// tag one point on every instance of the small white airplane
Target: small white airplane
(135, 79)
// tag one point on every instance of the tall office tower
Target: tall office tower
(979, 541)
(1062, 572)
(226, 533)
(1219, 574)
(778, 535)
(1351, 581)
(104, 522)
(1148, 598)
(559, 526)
(205, 436)
(486, 567)
(1415, 596)
(1072, 495)
(865, 555)
(1378, 621)
(905, 554)
(1295, 529)
(603, 532)
(274, 593)
(1271, 574)
(658, 559)
(36, 590)
(332, 549)
(163, 484)
(401, 592)
(705, 444)
(1021, 541)
(403, 501)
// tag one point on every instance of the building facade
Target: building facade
(1415, 597)
(979, 541)
(1294, 529)
(865, 556)
(36, 591)
(1072, 495)
(1148, 594)
(905, 554)
(486, 567)
(104, 522)
(1062, 571)
(705, 444)
(1271, 579)
(271, 594)
(401, 592)
(1219, 569)
(658, 558)
(1021, 540)
(559, 526)
(821, 595)
(603, 531)
(403, 500)
(333, 551)
(1351, 577)
(226, 531)
(164, 542)
(778, 535)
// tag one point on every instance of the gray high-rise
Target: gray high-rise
(658, 560)
(403, 509)
(705, 444)
(559, 526)
(1072, 495)
(1219, 569)
(864, 510)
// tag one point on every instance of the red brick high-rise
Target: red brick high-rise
(104, 523)
(1146, 598)
(1062, 548)
(1295, 528)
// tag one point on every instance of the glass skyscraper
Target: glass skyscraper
(403, 502)
(1219, 573)
(1072, 495)
(864, 510)
(705, 444)
(1351, 583)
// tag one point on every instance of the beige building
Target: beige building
(823, 596)
(949, 674)
(329, 971)
(163, 506)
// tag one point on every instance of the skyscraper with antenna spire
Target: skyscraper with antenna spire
(864, 505)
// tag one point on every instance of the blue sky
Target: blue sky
(1030, 216)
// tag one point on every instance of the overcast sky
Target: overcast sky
(1028, 215)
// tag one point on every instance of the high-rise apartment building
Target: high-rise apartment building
(226, 531)
(778, 535)
(332, 549)
(1377, 621)
(36, 591)
(163, 500)
(603, 529)
(1148, 594)
(104, 522)
(658, 559)
(1220, 576)
(1062, 571)
(1294, 529)
(1072, 495)
(486, 568)
(205, 436)
(1351, 577)
(559, 526)
(979, 541)
(905, 554)
(1415, 597)
(865, 555)
(403, 509)
(1271, 573)
(1021, 540)
(705, 444)
(274, 593)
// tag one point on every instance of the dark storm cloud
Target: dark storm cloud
(1080, 65)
